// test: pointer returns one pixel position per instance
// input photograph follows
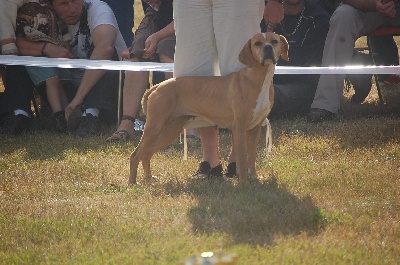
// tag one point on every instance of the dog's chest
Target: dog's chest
(263, 103)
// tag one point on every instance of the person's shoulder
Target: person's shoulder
(315, 9)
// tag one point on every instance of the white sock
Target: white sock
(93, 111)
(20, 111)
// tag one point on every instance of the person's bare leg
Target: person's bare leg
(209, 143)
(135, 85)
(165, 59)
(56, 94)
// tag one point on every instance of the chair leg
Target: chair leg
(378, 87)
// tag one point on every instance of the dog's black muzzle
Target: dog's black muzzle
(268, 53)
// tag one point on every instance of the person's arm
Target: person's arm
(152, 41)
(273, 13)
(104, 37)
(44, 49)
(386, 7)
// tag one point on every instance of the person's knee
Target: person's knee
(165, 59)
(343, 16)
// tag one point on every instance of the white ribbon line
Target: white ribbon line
(168, 67)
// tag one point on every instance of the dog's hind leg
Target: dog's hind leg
(253, 137)
(134, 162)
(167, 135)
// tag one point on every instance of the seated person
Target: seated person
(95, 35)
(8, 17)
(154, 41)
(48, 29)
(17, 81)
(351, 20)
(305, 25)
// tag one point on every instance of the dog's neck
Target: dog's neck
(263, 103)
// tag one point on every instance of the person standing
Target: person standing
(209, 37)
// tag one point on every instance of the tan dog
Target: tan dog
(240, 101)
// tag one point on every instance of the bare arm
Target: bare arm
(152, 41)
(273, 14)
(104, 37)
(30, 48)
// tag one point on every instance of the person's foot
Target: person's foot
(230, 170)
(319, 115)
(21, 124)
(60, 122)
(90, 125)
(120, 136)
(205, 171)
(74, 119)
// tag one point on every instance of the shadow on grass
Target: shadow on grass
(43, 144)
(253, 213)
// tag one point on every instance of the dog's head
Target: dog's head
(263, 50)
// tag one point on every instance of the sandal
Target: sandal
(121, 135)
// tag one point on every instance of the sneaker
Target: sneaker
(138, 125)
(230, 170)
(319, 115)
(60, 122)
(205, 171)
(392, 80)
(21, 124)
(90, 125)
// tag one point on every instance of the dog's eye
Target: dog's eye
(274, 42)
(258, 43)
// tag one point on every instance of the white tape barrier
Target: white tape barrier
(85, 64)
(168, 67)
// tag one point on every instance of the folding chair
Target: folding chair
(394, 31)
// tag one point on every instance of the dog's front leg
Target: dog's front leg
(253, 137)
(240, 144)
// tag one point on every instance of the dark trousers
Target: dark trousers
(124, 12)
(18, 90)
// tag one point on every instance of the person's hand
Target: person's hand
(273, 14)
(71, 106)
(54, 51)
(386, 7)
(150, 47)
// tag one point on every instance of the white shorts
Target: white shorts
(211, 33)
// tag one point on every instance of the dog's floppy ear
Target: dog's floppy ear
(284, 48)
(245, 56)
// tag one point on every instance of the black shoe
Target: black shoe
(90, 125)
(74, 119)
(205, 171)
(319, 115)
(230, 170)
(60, 122)
(21, 124)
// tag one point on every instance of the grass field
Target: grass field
(327, 194)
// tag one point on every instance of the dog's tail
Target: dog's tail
(146, 97)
